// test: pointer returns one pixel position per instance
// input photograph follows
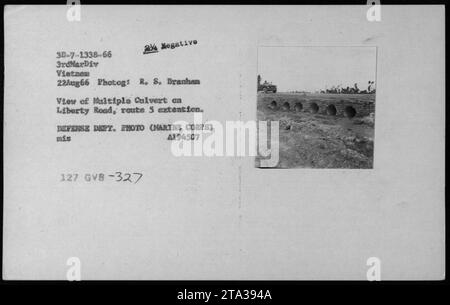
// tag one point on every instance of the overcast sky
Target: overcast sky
(314, 68)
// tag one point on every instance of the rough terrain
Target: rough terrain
(320, 138)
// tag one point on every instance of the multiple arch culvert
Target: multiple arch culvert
(313, 107)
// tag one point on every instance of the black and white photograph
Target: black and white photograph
(324, 100)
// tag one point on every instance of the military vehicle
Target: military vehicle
(266, 87)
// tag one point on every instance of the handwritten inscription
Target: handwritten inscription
(153, 48)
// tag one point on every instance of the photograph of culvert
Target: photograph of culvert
(324, 101)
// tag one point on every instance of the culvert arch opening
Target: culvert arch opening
(273, 105)
(349, 112)
(314, 108)
(298, 107)
(331, 110)
(286, 106)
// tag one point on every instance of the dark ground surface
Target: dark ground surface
(320, 141)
